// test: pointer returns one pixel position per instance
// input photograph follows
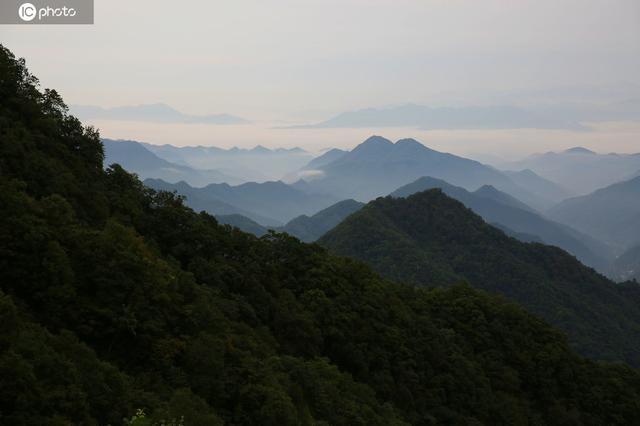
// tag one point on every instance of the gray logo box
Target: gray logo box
(46, 12)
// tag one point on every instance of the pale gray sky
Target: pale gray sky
(293, 61)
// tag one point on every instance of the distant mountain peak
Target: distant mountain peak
(374, 145)
(487, 189)
(260, 148)
(578, 150)
(376, 140)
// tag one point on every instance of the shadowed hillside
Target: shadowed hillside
(430, 239)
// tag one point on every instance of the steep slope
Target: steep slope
(581, 171)
(115, 299)
(611, 214)
(496, 207)
(431, 239)
(268, 203)
(377, 166)
(309, 229)
(136, 158)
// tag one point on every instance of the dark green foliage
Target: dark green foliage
(432, 240)
(115, 298)
(498, 207)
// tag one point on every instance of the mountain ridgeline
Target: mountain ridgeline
(276, 202)
(580, 170)
(611, 214)
(496, 207)
(378, 166)
(115, 298)
(429, 239)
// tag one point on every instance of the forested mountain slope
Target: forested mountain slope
(432, 240)
(115, 298)
(496, 207)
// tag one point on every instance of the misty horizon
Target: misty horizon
(565, 72)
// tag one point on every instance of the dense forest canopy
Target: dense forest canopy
(115, 298)
(429, 239)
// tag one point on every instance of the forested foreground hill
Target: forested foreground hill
(430, 239)
(116, 298)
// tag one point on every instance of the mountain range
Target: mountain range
(425, 117)
(579, 170)
(310, 228)
(121, 305)
(137, 158)
(430, 239)
(496, 207)
(378, 166)
(258, 164)
(268, 203)
(611, 214)
(538, 115)
(155, 113)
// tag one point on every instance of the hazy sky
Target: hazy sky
(296, 61)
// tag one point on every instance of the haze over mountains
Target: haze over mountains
(155, 113)
(580, 170)
(557, 116)
(275, 202)
(199, 165)
(424, 117)
(119, 304)
(611, 214)
(378, 166)
(257, 164)
(135, 157)
(523, 203)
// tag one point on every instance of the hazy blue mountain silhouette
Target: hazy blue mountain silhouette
(268, 203)
(156, 113)
(611, 214)
(135, 158)
(258, 164)
(201, 201)
(424, 117)
(326, 158)
(543, 188)
(310, 228)
(378, 166)
(581, 171)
